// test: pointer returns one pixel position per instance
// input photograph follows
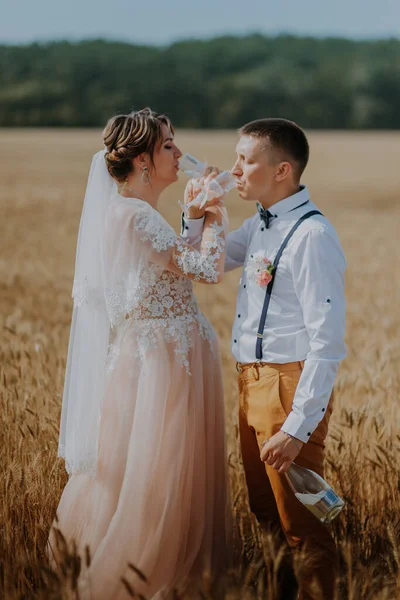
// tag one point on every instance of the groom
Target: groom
(288, 339)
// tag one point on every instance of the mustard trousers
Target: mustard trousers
(266, 393)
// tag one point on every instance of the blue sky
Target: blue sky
(162, 21)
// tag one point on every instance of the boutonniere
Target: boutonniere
(259, 269)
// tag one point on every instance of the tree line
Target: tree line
(220, 83)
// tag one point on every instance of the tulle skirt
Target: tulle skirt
(159, 500)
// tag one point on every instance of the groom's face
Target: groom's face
(255, 168)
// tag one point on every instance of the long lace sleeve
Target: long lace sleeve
(161, 245)
(141, 245)
(206, 264)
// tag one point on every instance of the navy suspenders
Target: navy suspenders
(271, 283)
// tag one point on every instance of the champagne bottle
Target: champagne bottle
(314, 493)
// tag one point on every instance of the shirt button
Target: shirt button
(262, 228)
(308, 434)
(235, 341)
(238, 316)
(323, 410)
(186, 227)
(244, 285)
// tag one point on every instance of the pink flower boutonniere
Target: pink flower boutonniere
(265, 276)
(259, 269)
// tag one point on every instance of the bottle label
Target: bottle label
(321, 504)
(330, 498)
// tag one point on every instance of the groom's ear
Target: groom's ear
(284, 170)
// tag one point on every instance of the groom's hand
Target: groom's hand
(280, 451)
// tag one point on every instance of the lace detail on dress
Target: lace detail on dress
(175, 330)
(117, 305)
(161, 238)
(164, 295)
(168, 306)
(82, 293)
(164, 303)
(202, 266)
(217, 241)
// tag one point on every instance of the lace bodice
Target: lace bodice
(166, 303)
(165, 295)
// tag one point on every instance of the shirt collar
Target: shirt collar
(287, 204)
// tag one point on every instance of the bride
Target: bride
(142, 424)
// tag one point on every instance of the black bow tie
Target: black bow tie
(265, 215)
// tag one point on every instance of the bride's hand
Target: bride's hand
(194, 187)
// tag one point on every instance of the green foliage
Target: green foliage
(219, 83)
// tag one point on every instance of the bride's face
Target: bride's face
(166, 158)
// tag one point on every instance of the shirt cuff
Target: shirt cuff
(192, 229)
(298, 427)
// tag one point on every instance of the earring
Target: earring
(146, 177)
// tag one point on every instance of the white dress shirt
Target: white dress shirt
(306, 315)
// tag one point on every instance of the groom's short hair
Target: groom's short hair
(284, 136)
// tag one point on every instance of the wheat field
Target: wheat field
(355, 180)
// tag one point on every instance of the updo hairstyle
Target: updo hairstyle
(129, 136)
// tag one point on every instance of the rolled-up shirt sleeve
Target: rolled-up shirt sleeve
(318, 270)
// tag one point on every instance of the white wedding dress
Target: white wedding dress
(158, 497)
